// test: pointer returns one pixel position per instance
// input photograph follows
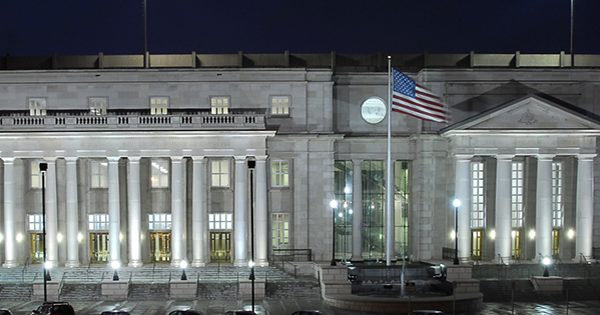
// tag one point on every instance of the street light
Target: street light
(546, 261)
(333, 204)
(252, 276)
(183, 264)
(115, 265)
(456, 203)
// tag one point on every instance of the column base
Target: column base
(356, 259)
(135, 263)
(72, 264)
(262, 263)
(240, 263)
(10, 264)
(198, 263)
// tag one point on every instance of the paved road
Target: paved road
(283, 307)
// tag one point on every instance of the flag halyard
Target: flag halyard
(415, 100)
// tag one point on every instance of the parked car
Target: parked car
(115, 312)
(239, 312)
(426, 312)
(4, 311)
(54, 308)
(307, 312)
(258, 309)
(185, 312)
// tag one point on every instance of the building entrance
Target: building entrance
(37, 247)
(476, 244)
(160, 246)
(220, 246)
(99, 247)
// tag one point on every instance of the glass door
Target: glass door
(99, 247)
(37, 247)
(476, 244)
(220, 247)
(160, 246)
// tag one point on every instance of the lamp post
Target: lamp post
(252, 277)
(333, 204)
(456, 203)
(546, 261)
(43, 169)
(115, 265)
(183, 264)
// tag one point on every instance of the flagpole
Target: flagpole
(389, 217)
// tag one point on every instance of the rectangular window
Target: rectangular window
(220, 221)
(35, 222)
(219, 173)
(401, 207)
(36, 175)
(342, 176)
(159, 222)
(37, 106)
(373, 192)
(557, 191)
(555, 243)
(98, 105)
(279, 174)
(159, 105)
(281, 230)
(98, 174)
(477, 195)
(280, 105)
(517, 194)
(219, 105)
(159, 177)
(98, 222)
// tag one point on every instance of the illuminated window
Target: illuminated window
(159, 105)
(35, 222)
(159, 222)
(98, 105)
(220, 221)
(557, 205)
(279, 174)
(37, 106)
(159, 177)
(517, 194)
(219, 105)
(478, 195)
(281, 230)
(220, 173)
(98, 174)
(98, 222)
(280, 105)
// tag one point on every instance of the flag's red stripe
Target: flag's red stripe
(416, 116)
(425, 106)
(434, 116)
(427, 92)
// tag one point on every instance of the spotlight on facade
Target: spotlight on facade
(19, 237)
(571, 234)
(47, 267)
(492, 234)
(183, 264)
(1, 237)
(532, 234)
(115, 265)
(59, 238)
(79, 237)
(546, 261)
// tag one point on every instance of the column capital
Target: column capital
(357, 161)
(176, 159)
(8, 160)
(463, 157)
(586, 156)
(134, 159)
(113, 159)
(71, 159)
(545, 157)
(261, 158)
(504, 157)
(198, 159)
(51, 159)
(240, 159)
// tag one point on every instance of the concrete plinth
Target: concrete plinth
(52, 289)
(334, 280)
(115, 290)
(183, 289)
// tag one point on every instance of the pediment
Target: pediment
(531, 113)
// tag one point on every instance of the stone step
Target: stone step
(17, 292)
(148, 291)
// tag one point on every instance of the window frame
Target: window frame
(280, 179)
(224, 220)
(220, 174)
(280, 230)
(160, 222)
(219, 109)
(98, 222)
(98, 108)
(274, 106)
(160, 171)
(98, 174)
(159, 109)
(40, 109)
(35, 176)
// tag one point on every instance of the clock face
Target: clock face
(373, 110)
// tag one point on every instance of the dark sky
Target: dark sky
(43, 27)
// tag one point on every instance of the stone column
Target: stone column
(51, 213)
(357, 211)
(10, 255)
(134, 211)
(260, 213)
(240, 214)
(72, 213)
(177, 213)
(503, 207)
(199, 213)
(543, 211)
(114, 220)
(585, 205)
(462, 191)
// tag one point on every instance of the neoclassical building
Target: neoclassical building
(163, 158)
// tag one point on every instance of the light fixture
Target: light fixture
(546, 261)
(1, 237)
(513, 234)
(183, 264)
(341, 215)
(115, 265)
(492, 234)
(456, 203)
(79, 237)
(452, 235)
(347, 190)
(531, 234)
(571, 234)
(59, 237)
(19, 237)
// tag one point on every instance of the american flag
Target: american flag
(412, 99)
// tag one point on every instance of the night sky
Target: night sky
(67, 27)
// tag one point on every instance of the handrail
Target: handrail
(24, 269)
(584, 259)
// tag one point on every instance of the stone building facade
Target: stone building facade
(151, 164)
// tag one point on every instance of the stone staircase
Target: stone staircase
(148, 291)
(81, 291)
(16, 291)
